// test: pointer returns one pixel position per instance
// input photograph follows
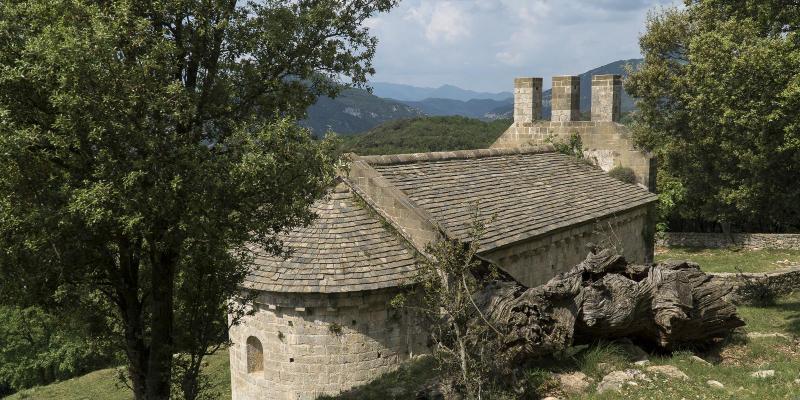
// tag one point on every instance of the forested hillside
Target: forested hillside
(426, 134)
(354, 111)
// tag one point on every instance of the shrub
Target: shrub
(623, 174)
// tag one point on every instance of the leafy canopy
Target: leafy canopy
(144, 143)
(720, 91)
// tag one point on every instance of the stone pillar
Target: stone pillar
(566, 100)
(527, 99)
(606, 98)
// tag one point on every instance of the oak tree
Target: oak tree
(719, 94)
(145, 143)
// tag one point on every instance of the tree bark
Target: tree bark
(669, 305)
(159, 366)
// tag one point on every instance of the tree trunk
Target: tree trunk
(159, 367)
(668, 305)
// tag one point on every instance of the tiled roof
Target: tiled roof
(529, 192)
(347, 248)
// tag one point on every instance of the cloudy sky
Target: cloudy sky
(483, 44)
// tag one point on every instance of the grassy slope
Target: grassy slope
(105, 384)
(740, 357)
(424, 134)
(725, 260)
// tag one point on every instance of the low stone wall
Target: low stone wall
(780, 282)
(721, 240)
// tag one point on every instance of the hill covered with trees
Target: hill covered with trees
(423, 134)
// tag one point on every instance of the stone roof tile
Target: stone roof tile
(527, 192)
(345, 249)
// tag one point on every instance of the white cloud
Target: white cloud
(484, 44)
(442, 21)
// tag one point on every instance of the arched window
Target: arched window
(255, 355)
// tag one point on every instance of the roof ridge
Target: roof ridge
(382, 216)
(409, 158)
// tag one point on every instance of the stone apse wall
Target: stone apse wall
(606, 142)
(535, 261)
(300, 346)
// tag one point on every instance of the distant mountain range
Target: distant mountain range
(414, 93)
(353, 111)
(356, 110)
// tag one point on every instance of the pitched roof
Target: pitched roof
(528, 192)
(347, 248)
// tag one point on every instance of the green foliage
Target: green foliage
(143, 144)
(335, 329)
(571, 146)
(719, 95)
(589, 360)
(465, 351)
(623, 174)
(37, 348)
(425, 134)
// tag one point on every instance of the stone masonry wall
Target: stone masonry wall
(779, 282)
(605, 144)
(722, 240)
(316, 344)
(527, 99)
(535, 261)
(606, 97)
(565, 98)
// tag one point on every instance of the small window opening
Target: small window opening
(255, 355)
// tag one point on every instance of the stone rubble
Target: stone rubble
(669, 371)
(715, 384)
(616, 379)
(765, 373)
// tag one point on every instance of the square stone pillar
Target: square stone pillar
(606, 98)
(566, 100)
(527, 99)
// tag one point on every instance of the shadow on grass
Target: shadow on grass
(404, 383)
(792, 309)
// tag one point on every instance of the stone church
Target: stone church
(322, 321)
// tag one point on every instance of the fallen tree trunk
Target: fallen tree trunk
(668, 304)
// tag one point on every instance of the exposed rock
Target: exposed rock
(699, 360)
(668, 371)
(765, 373)
(574, 382)
(642, 363)
(605, 368)
(551, 398)
(616, 379)
(715, 384)
(761, 335)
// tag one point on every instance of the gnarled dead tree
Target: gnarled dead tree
(668, 304)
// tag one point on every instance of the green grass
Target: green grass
(726, 260)
(106, 385)
(735, 360)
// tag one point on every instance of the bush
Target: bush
(623, 174)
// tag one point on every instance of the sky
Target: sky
(483, 44)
